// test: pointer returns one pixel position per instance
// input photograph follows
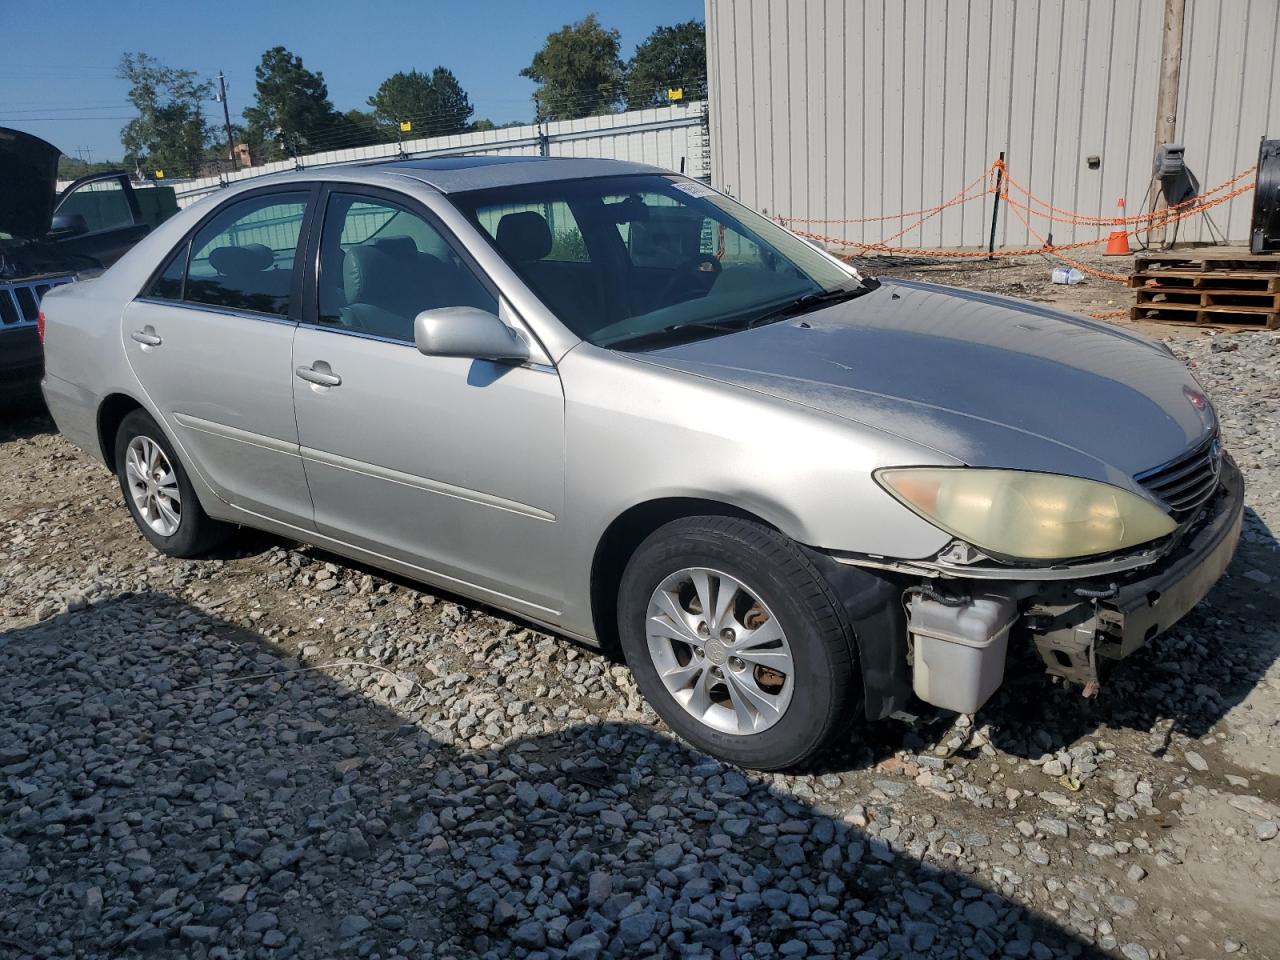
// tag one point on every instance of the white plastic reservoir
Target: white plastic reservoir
(960, 650)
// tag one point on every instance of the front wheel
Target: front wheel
(158, 493)
(735, 639)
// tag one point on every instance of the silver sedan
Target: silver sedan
(612, 401)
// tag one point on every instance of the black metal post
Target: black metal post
(995, 209)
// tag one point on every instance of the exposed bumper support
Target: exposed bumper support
(1072, 620)
(1071, 634)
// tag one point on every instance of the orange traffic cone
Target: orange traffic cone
(1118, 239)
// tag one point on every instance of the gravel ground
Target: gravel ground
(276, 753)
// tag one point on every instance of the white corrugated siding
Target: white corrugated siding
(862, 108)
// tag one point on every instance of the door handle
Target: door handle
(322, 378)
(146, 336)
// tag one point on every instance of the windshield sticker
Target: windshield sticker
(693, 188)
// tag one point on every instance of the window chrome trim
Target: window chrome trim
(361, 335)
(223, 311)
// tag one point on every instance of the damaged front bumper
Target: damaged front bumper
(1074, 623)
(960, 619)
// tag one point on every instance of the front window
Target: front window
(629, 260)
(382, 264)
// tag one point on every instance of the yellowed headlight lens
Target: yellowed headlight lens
(1033, 516)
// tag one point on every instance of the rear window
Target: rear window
(243, 258)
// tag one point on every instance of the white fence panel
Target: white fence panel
(671, 137)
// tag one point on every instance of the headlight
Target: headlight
(1033, 516)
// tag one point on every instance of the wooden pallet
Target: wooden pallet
(1208, 288)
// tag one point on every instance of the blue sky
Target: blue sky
(59, 82)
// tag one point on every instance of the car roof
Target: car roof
(459, 173)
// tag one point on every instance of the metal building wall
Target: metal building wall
(864, 108)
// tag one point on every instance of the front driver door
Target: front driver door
(211, 341)
(454, 466)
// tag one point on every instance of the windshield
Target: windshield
(623, 260)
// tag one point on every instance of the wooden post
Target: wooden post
(1167, 98)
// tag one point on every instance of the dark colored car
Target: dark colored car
(47, 239)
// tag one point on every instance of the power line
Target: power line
(107, 106)
(61, 119)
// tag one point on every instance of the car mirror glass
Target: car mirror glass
(68, 225)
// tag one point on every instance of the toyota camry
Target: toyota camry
(615, 402)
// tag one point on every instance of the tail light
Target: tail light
(40, 325)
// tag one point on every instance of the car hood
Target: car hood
(28, 183)
(986, 380)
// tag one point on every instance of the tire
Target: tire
(758, 564)
(194, 533)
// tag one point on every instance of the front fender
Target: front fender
(637, 432)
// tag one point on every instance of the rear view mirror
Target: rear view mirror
(68, 225)
(627, 211)
(467, 332)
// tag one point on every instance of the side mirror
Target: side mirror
(68, 225)
(467, 332)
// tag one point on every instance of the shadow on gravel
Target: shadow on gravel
(23, 416)
(170, 788)
(1186, 680)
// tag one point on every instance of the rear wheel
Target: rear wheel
(736, 640)
(158, 493)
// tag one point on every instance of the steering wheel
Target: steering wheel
(694, 276)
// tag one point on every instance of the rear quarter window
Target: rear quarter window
(168, 283)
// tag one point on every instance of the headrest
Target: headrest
(524, 236)
(365, 269)
(402, 248)
(251, 258)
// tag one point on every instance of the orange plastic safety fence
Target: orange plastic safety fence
(1052, 249)
(1023, 211)
(786, 221)
(1152, 217)
(945, 253)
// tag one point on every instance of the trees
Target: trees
(669, 57)
(292, 112)
(578, 70)
(580, 73)
(436, 104)
(170, 131)
(71, 168)
(362, 127)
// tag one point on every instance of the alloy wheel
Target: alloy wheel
(719, 651)
(153, 485)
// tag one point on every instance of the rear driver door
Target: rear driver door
(211, 342)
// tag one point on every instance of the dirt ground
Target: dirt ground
(1029, 279)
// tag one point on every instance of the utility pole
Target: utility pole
(226, 118)
(1167, 100)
